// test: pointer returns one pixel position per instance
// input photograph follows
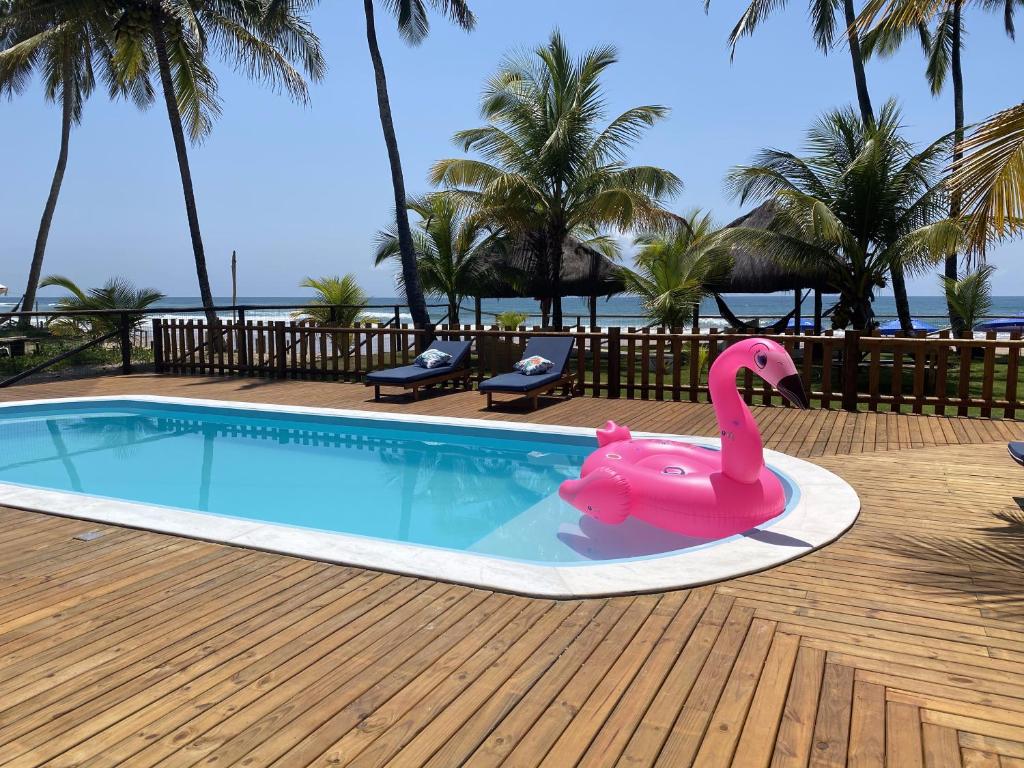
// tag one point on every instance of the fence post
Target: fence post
(399, 337)
(851, 358)
(126, 343)
(242, 342)
(614, 360)
(158, 346)
(282, 352)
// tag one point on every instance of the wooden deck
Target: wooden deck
(902, 644)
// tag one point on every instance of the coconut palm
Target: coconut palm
(449, 244)
(990, 179)
(265, 39)
(65, 48)
(943, 46)
(971, 295)
(413, 25)
(860, 201)
(547, 168)
(823, 19)
(675, 269)
(118, 293)
(337, 301)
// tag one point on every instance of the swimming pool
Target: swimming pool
(463, 500)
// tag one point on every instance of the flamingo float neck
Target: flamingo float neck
(742, 449)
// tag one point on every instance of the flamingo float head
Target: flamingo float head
(771, 361)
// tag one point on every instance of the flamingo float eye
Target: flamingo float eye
(761, 359)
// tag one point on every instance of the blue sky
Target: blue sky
(302, 190)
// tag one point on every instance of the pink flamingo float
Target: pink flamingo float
(691, 489)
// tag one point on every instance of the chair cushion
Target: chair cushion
(406, 374)
(534, 365)
(459, 350)
(1016, 452)
(557, 349)
(518, 382)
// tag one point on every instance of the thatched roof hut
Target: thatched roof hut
(517, 271)
(755, 273)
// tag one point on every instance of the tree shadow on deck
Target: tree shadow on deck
(994, 557)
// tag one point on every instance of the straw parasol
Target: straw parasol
(752, 272)
(516, 270)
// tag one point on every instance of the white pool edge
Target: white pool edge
(826, 509)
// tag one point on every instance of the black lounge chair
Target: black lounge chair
(1016, 452)
(557, 349)
(413, 377)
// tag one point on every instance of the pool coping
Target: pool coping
(820, 490)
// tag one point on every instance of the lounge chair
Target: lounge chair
(1016, 450)
(413, 377)
(557, 349)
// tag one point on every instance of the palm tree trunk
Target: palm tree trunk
(867, 116)
(860, 79)
(899, 290)
(36, 268)
(181, 150)
(410, 274)
(555, 239)
(957, 74)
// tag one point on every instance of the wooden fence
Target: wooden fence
(943, 375)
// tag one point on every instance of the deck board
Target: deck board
(900, 644)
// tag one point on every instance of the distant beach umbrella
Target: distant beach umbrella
(806, 324)
(1004, 324)
(892, 327)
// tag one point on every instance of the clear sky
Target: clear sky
(302, 190)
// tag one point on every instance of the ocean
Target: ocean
(622, 311)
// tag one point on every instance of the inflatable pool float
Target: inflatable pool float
(691, 489)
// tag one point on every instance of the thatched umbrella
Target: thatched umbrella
(753, 272)
(517, 270)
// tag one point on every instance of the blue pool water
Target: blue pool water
(473, 489)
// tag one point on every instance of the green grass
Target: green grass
(94, 356)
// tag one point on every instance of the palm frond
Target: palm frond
(990, 179)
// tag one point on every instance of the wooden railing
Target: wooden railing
(944, 375)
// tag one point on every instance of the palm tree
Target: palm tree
(337, 301)
(413, 25)
(861, 201)
(66, 48)
(823, 19)
(990, 179)
(547, 169)
(265, 39)
(117, 293)
(971, 295)
(944, 51)
(449, 244)
(675, 268)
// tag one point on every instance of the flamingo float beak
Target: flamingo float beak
(792, 388)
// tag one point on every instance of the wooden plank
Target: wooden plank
(832, 724)
(793, 744)
(757, 740)
(941, 747)
(867, 726)
(903, 747)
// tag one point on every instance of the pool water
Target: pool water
(485, 490)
